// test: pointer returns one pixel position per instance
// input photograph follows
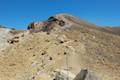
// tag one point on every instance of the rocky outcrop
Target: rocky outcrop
(85, 75)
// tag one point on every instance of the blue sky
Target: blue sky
(19, 13)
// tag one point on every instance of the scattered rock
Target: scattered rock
(33, 54)
(50, 58)
(13, 64)
(30, 48)
(33, 77)
(47, 40)
(75, 40)
(61, 42)
(44, 53)
(58, 53)
(16, 37)
(65, 53)
(12, 41)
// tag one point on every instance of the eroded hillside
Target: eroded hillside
(75, 46)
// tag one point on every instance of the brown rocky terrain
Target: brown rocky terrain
(114, 30)
(26, 55)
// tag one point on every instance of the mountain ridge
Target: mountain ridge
(35, 55)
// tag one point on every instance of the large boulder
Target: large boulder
(64, 75)
(85, 75)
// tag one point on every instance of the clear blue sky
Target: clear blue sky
(19, 13)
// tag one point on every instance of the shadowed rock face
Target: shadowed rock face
(85, 75)
(46, 25)
(74, 46)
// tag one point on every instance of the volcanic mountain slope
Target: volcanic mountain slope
(78, 45)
